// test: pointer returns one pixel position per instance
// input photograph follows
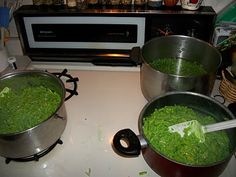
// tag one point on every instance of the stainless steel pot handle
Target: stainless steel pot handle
(132, 147)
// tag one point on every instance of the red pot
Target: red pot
(161, 164)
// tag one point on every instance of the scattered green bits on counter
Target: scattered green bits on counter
(88, 173)
(142, 173)
(26, 108)
(187, 149)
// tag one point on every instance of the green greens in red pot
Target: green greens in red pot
(187, 149)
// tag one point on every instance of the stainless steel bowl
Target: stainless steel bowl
(154, 82)
(40, 137)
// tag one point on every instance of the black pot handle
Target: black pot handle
(133, 147)
(232, 108)
(135, 55)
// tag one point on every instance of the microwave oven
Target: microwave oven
(106, 36)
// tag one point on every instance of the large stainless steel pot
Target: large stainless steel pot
(161, 164)
(38, 138)
(154, 82)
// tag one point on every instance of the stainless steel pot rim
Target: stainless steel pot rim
(186, 93)
(173, 75)
(182, 37)
(17, 72)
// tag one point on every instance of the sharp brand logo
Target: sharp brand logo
(46, 32)
(43, 34)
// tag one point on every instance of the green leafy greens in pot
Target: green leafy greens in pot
(185, 150)
(26, 108)
(180, 67)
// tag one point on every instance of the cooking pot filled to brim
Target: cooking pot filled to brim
(178, 63)
(32, 112)
(168, 153)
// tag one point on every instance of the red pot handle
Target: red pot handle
(133, 147)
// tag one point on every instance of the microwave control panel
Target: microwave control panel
(61, 33)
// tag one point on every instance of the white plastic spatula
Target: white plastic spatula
(199, 130)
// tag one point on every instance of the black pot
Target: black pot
(161, 164)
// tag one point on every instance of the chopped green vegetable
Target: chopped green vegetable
(178, 67)
(88, 173)
(141, 173)
(4, 91)
(187, 149)
(100, 138)
(26, 108)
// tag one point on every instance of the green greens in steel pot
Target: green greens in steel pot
(25, 108)
(176, 66)
(187, 149)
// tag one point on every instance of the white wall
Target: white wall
(218, 5)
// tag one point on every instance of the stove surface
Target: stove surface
(107, 101)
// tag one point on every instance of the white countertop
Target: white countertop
(107, 102)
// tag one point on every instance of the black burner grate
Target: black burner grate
(34, 157)
(71, 79)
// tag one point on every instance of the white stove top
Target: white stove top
(107, 102)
